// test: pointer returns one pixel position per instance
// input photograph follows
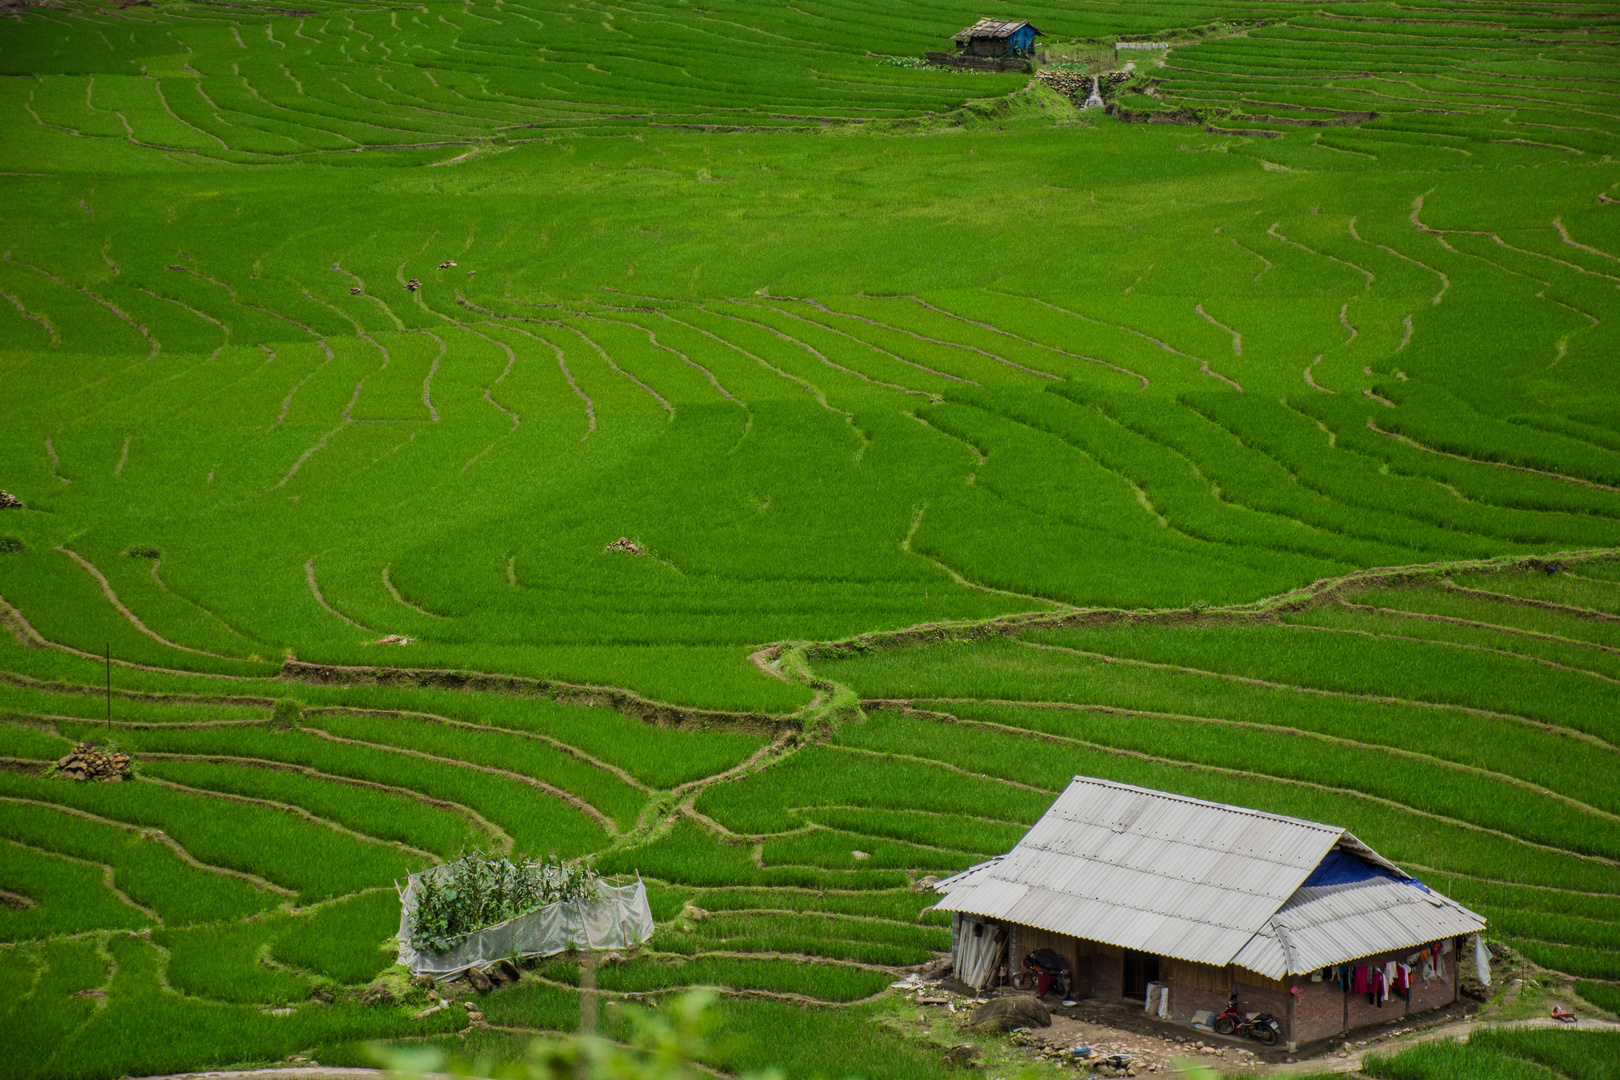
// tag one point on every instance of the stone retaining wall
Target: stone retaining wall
(979, 63)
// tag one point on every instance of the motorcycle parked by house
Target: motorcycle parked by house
(1044, 971)
(1234, 1022)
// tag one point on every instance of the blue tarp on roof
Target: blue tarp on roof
(1341, 867)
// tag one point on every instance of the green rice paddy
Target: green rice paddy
(1268, 452)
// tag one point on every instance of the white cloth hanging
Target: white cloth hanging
(1482, 960)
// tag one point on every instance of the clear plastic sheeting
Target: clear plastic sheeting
(618, 918)
(1482, 960)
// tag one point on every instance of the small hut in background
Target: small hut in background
(997, 37)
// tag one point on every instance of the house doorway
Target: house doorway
(1140, 969)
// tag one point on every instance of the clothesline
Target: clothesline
(1379, 981)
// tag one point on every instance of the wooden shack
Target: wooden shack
(997, 37)
(1176, 903)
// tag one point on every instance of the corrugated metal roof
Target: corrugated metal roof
(1199, 881)
(1334, 924)
(1146, 870)
(993, 28)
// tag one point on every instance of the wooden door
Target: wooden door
(1140, 969)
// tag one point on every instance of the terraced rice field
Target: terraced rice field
(1282, 471)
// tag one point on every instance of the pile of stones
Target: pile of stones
(8, 501)
(89, 762)
(412, 285)
(1070, 84)
(626, 545)
(447, 264)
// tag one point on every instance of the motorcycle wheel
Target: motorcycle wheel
(1265, 1034)
(1223, 1025)
(1023, 980)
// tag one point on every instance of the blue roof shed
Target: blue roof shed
(997, 37)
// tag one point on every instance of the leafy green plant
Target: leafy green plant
(666, 1044)
(477, 891)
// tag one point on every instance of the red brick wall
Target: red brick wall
(1362, 1014)
(1107, 971)
(1437, 993)
(1084, 984)
(1321, 1010)
(1262, 999)
(1355, 1012)
(1186, 1001)
(1318, 1011)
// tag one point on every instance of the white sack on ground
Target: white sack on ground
(618, 918)
(1482, 959)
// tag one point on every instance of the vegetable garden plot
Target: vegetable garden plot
(467, 913)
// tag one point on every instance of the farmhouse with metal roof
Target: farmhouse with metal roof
(1178, 903)
(997, 37)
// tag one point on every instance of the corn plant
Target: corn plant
(478, 890)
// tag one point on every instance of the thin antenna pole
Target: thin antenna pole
(109, 688)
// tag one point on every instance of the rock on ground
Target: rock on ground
(1005, 1013)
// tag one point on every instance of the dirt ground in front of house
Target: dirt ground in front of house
(1161, 1048)
(1161, 1052)
(1155, 1047)
(1164, 1048)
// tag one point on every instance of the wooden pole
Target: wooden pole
(587, 1006)
(587, 985)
